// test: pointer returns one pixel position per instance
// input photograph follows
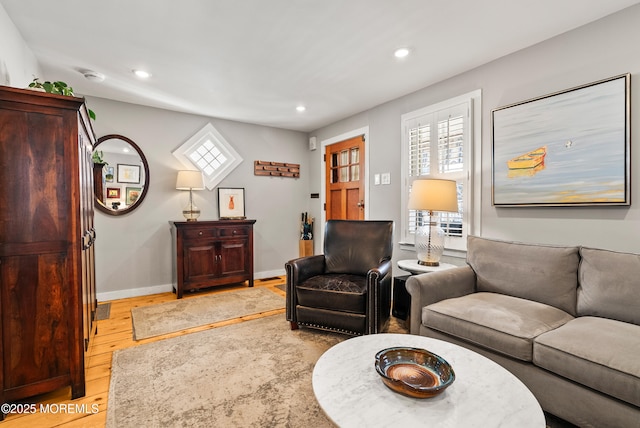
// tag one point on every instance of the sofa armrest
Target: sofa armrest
(428, 288)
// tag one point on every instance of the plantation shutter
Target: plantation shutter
(436, 148)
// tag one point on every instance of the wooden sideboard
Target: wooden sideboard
(47, 275)
(211, 253)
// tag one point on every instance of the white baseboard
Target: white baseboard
(133, 292)
(269, 274)
(155, 289)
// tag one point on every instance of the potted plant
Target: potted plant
(57, 87)
(97, 158)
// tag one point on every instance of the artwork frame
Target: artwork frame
(108, 176)
(568, 148)
(231, 203)
(132, 195)
(128, 173)
(113, 193)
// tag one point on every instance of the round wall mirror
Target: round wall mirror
(120, 175)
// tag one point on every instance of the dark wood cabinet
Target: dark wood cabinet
(210, 253)
(47, 278)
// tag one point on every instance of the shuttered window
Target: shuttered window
(437, 144)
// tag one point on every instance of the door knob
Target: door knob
(361, 204)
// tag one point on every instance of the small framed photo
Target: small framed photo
(128, 173)
(132, 195)
(108, 176)
(231, 203)
(113, 192)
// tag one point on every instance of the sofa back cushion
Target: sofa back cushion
(609, 285)
(542, 273)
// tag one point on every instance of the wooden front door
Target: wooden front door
(344, 163)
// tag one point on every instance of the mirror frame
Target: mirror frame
(103, 208)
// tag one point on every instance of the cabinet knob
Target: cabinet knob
(200, 233)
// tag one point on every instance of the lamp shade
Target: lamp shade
(190, 180)
(434, 195)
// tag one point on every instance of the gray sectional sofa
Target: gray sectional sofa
(565, 320)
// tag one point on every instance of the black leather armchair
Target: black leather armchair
(348, 288)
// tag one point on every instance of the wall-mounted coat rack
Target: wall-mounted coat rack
(276, 169)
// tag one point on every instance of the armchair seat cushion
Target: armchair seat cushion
(337, 292)
(504, 324)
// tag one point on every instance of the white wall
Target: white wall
(133, 252)
(590, 53)
(18, 65)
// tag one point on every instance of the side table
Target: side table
(401, 298)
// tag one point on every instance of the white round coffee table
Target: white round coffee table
(484, 394)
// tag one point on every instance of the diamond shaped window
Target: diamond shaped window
(210, 153)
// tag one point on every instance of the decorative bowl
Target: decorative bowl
(414, 372)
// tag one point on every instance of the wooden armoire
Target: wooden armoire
(47, 277)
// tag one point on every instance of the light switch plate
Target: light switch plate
(376, 179)
(386, 178)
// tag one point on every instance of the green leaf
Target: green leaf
(92, 115)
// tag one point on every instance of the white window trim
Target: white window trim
(208, 132)
(472, 160)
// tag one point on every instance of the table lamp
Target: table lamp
(190, 180)
(432, 195)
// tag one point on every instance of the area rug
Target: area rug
(253, 374)
(156, 320)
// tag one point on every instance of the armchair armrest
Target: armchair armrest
(428, 288)
(381, 271)
(299, 270)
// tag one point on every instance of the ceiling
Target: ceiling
(255, 60)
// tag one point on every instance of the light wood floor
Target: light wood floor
(113, 334)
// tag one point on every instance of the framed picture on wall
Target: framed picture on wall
(108, 176)
(569, 148)
(132, 195)
(231, 203)
(113, 192)
(128, 173)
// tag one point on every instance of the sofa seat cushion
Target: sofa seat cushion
(338, 292)
(600, 353)
(503, 324)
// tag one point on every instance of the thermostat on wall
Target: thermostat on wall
(312, 143)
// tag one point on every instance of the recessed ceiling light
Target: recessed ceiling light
(401, 52)
(142, 74)
(301, 108)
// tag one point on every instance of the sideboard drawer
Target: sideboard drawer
(229, 232)
(200, 233)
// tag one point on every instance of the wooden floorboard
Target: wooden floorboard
(114, 333)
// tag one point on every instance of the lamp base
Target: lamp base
(429, 244)
(191, 212)
(425, 263)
